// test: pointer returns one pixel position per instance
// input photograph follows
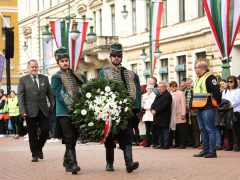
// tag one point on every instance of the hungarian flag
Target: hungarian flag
(62, 38)
(157, 8)
(223, 17)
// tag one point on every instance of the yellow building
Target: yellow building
(9, 11)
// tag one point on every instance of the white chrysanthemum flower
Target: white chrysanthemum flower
(90, 124)
(125, 100)
(107, 89)
(88, 95)
(101, 92)
(120, 102)
(126, 109)
(113, 96)
(83, 112)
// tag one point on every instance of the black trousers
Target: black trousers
(181, 134)
(38, 132)
(69, 132)
(160, 136)
(124, 137)
(15, 123)
(148, 125)
(236, 128)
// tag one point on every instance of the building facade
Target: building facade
(9, 18)
(185, 36)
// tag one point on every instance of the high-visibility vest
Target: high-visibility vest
(4, 110)
(200, 94)
(13, 108)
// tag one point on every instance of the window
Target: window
(6, 22)
(147, 15)
(95, 20)
(100, 21)
(181, 10)
(181, 61)
(113, 19)
(147, 66)
(134, 68)
(164, 62)
(134, 23)
(164, 14)
(164, 66)
(201, 55)
(201, 11)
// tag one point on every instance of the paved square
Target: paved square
(177, 164)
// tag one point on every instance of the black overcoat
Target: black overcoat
(162, 105)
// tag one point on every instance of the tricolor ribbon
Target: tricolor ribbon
(108, 126)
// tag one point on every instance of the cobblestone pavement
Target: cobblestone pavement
(177, 164)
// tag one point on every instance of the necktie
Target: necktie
(35, 81)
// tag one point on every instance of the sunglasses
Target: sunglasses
(116, 55)
(230, 81)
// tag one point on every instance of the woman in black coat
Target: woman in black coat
(161, 110)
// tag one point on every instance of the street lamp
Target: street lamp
(25, 46)
(124, 12)
(157, 52)
(91, 36)
(75, 33)
(46, 35)
(68, 32)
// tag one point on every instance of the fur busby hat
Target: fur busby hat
(116, 49)
(61, 53)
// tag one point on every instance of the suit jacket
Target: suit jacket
(162, 105)
(32, 99)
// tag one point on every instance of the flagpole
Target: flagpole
(150, 36)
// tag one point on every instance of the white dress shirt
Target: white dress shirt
(37, 79)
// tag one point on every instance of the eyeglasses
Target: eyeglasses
(196, 67)
(230, 81)
(116, 55)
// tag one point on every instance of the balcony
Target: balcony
(163, 70)
(102, 44)
(180, 68)
(146, 73)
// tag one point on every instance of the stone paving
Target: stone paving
(176, 164)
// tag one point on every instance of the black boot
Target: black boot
(109, 159)
(72, 161)
(65, 162)
(130, 165)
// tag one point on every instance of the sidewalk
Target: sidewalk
(177, 164)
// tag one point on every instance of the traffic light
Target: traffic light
(9, 43)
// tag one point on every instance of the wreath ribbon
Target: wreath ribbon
(108, 125)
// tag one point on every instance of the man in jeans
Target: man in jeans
(206, 97)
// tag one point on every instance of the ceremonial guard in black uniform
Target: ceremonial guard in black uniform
(64, 83)
(132, 84)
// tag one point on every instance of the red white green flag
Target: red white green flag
(223, 17)
(62, 38)
(157, 8)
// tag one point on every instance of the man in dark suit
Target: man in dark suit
(33, 91)
(161, 110)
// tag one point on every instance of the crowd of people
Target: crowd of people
(201, 114)
(169, 120)
(11, 122)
